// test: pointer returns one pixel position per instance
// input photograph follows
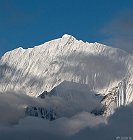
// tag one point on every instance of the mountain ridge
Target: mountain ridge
(66, 37)
(74, 47)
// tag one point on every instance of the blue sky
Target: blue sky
(27, 23)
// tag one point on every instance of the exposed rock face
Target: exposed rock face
(41, 112)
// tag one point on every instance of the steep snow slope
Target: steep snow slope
(44, 67)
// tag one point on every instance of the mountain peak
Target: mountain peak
(67, 36)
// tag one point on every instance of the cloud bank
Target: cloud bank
(82, 125)
(119, 32)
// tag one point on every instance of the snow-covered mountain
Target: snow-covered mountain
(104, 70)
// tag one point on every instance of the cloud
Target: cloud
(80, 125)
(120, 126)
(72, 98)
(119, 32)
(98, 71)
(32, 128)
(13, 105)
(15, 125)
